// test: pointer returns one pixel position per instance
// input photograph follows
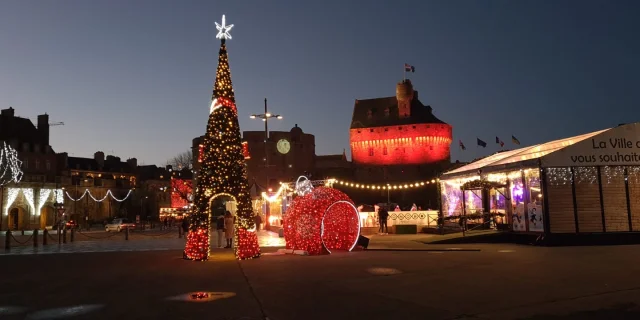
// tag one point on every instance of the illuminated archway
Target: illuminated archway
(218, 195)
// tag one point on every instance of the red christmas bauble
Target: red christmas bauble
(323, 220)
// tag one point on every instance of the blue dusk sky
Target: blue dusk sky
(134, 78)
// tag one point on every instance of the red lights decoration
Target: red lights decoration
(245, 150)
(222, 172)
(245, 248)
(197, 247)
(320, 221)
(404, 144)
(181, 190)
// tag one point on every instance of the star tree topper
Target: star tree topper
(223, 30)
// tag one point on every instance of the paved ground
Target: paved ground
(497, 282)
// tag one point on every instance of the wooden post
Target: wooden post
(7, 240)
(73, 233)
(64, 235)
(575, 201)
(604, 226)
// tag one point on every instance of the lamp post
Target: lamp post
(266, 116)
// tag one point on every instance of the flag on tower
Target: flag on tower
(515, 140)
(462, 145)
(409, 68)
(500, 142)
(481, 143)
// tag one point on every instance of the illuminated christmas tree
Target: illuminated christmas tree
(223, 171)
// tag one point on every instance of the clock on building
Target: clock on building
(283, 146)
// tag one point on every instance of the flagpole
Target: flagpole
(404, 74)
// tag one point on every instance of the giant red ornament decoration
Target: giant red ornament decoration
(322, 220)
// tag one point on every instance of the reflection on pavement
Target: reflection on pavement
(265, 239)
(62, 313)
(202, 296)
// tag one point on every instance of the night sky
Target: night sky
(135, 77)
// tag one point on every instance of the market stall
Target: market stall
(583, 184)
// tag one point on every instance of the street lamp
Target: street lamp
(266, 116)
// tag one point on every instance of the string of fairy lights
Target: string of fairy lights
(379, 186)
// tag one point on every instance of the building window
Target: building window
(48, 165)
(25, 163)
(37, 164)
(384, 151)
(371, 152)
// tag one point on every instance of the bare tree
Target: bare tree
(181, 161)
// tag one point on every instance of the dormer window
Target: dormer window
(369, 114)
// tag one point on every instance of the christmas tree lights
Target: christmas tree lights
(222, 170)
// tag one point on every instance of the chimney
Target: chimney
(43, 128)
(99, 157)
(8, 112)
(133, 163)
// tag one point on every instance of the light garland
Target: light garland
(222, 168)
(12, 194)
(562, 176)
(10, 165)
(28, 195)
(87, 192)
(43, 195)
(408, 185)
(58, 195)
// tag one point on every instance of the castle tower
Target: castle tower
(398, 131)
(222, 171)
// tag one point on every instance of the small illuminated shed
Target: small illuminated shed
(584, 184)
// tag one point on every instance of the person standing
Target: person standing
(220, 230)
(228, 229)
(258, 221)
(185, 226)
(383, 214)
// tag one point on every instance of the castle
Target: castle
(398, 138)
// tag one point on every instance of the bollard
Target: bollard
(7, 240)
(73, 233)
(45, 234)
(64, 235)
(126, 233)
(59, 235)
(35, 238)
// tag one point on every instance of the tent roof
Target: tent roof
(520, 155)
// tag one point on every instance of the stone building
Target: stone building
(290, 154)
(398, 138)
(96, 188)
(29, 204)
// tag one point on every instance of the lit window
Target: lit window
(370, 151)
(384, 151)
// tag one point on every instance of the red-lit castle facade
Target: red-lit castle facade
(395, 138)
